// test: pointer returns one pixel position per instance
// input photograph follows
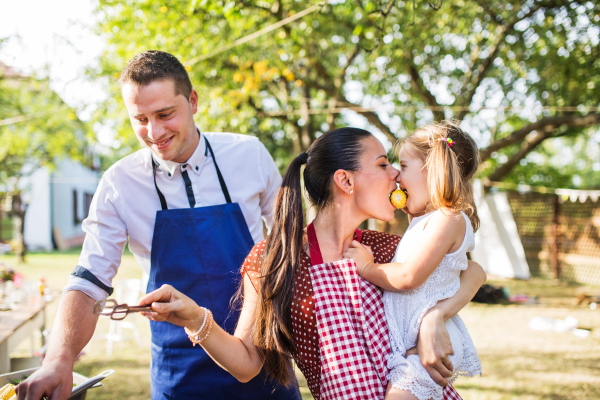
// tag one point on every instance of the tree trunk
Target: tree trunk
(17, 212)
(21, 249)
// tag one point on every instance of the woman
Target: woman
(348, 178)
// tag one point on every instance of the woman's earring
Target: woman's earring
(351, 190)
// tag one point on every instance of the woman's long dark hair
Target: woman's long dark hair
(335, 150)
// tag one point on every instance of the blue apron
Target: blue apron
(199, 251)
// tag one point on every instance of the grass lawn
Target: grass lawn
(518, 362)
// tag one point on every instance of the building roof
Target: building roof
(7, 71)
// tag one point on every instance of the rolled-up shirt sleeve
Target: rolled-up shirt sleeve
(105, 238)
(272, 183)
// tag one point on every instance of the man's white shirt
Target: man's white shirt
(125, 204)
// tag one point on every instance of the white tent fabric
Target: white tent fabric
(498, 247)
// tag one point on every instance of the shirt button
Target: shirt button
(169, 174)
(197, 168)
(184, 166)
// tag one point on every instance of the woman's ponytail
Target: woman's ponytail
(281, 258)
(282, 255)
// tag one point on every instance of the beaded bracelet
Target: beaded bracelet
(197, 333)
(199, 336)
(210, 323)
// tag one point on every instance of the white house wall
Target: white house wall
(70, 176)
(38, 231)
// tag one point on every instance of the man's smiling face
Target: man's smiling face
(161, 119)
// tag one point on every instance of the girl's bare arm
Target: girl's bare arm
(443, 234)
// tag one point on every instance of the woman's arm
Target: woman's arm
(471, 280)
(236, 354)
(434, 345)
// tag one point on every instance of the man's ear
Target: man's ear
(194, 101)
(344, 180)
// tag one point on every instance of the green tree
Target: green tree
(517, 72)
(36, 129)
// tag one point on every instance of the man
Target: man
(190, 204)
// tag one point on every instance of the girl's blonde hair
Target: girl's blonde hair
(450, 168)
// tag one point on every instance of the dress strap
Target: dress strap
(316, 257)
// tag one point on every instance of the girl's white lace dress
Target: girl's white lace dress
(404, 311)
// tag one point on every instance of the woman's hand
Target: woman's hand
(434, 347)
(362, 255)
(168, 304)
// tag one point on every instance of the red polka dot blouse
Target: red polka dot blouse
(304, 324)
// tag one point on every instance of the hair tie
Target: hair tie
(447, 140)
(303, 157)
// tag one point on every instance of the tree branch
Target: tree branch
(483, 68)
(305, 132)
(497, 18)
(334, 93)
(374, 119)
(349, 62)
(253, 5)
(528, 145)
(544, 125)
(261, 112)
(418, 86)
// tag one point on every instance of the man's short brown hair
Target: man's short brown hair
(154, 65)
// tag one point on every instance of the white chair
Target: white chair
(126, 291)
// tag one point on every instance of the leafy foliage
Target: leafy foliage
(516, 72)
(37, 129)
(49, 130)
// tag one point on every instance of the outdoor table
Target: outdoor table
(17, 325)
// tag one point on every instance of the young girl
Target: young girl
(437, 163)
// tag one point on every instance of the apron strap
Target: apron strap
(188, 189)
(316, 257)
(163, 202)
(221, 180)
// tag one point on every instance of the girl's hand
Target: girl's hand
(434, 347)
(363, 255)
(168, 304)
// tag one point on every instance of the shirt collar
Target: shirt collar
(194, 163)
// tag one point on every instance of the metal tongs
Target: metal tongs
(90, 383)
(117, 312)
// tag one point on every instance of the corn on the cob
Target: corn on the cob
(398, 198)
(7, 391)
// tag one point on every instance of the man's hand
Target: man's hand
(363, 255)
(434, 347)
(73, 327)
(54, 381)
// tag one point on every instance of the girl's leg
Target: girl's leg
(397, 394)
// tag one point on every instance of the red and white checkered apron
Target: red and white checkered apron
(353, 336)
(353, 341)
